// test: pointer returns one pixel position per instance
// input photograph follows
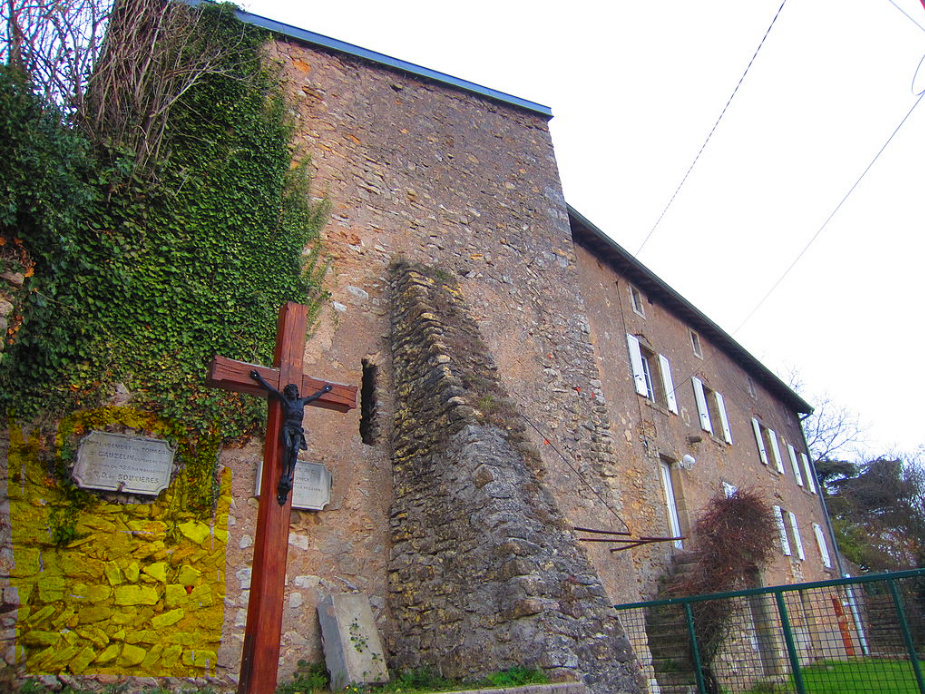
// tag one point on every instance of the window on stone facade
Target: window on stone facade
(750, 385)
(711, 406)
(695, 344)
(651, 374)
(789, 530)
(767, 441)
(671, 502)
(369, 405)
(637, 302)
(810, 479)
(820, 543)
(794, 464)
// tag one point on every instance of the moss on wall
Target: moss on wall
(129, 588)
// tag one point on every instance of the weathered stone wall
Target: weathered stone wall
(648, 433)
(437, 175)
(137, 592)
(485, 572)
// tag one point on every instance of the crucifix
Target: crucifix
(281, 385)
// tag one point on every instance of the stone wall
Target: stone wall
(129, 590)
(485, 573)
(651, 434)
(441, 176)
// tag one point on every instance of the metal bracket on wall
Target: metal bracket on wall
(625, 539)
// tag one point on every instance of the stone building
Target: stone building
(521, 376)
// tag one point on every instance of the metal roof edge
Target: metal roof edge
(323, 41)
(688, 311)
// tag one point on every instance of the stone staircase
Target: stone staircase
(666, 628)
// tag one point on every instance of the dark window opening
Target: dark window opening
(369, 427)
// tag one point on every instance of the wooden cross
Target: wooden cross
(260, 658)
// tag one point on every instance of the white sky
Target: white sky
(635, 87)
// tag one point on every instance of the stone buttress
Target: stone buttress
(485, 573)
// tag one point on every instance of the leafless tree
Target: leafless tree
(833, 432)
(154, 52)
(56, 42)
(115, 70)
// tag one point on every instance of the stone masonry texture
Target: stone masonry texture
(485, 573)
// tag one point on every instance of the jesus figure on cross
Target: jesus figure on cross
(292, 435)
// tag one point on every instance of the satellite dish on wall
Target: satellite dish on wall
(687, 462)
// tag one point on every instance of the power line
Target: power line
(829, 218)
(780, 279)
(712, 130)
(908, 16)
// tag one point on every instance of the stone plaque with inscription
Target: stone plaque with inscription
(311, 489)
(120, 463)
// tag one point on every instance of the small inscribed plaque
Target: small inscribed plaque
(131, 464)
(311, 490)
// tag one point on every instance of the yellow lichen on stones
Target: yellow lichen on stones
(135, 589)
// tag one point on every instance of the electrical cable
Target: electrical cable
(908, 16)
(780, 279)
(581, 477)
(829, 218)
(712, 130)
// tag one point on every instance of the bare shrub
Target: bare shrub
(56, 42)
(734, 540)
(115, 70)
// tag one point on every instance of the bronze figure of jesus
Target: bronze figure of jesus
(292, 434)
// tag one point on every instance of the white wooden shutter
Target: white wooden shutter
(701, 399)
(796, 536)
(665, 368)
(639, 376)
(775, 449)
(794, 464)
(762, 451)
(810, 479)
(782, 530)
(724, 420)
(820, 542)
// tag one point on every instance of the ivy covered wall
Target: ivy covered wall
(139, 275)
(125, 268)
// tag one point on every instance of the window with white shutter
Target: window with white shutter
(820, 543)
(775, 450)
(639, 375)
(702, 408)
(782, 530)
(794, 464)
(759, 439)
(670, 398)
(810, 478)
(797, 540)
(723, 417)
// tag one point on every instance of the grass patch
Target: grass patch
(864, 676)
(425, 681)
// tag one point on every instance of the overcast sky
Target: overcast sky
(635, 88)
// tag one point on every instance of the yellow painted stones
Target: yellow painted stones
(139, 590)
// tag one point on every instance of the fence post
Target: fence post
(907, 635)
(791, 646)
(695, 649)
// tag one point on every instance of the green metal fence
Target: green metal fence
(847, 636)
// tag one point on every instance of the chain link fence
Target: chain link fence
(848, 636)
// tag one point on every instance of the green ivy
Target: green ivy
(140, 280)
